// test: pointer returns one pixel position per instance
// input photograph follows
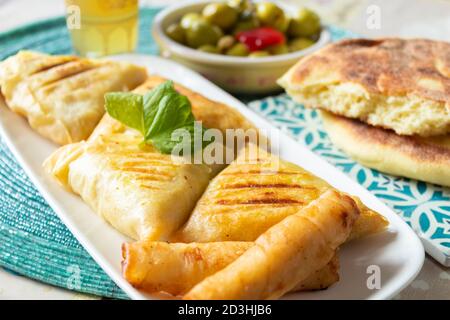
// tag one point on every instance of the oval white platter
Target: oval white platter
(396, 256)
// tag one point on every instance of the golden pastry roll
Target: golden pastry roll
(175, 268)
(286, 254)
(321, 279)
(155, 266)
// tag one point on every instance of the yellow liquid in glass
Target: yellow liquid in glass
(106, 26)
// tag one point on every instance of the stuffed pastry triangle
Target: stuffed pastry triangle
(254, 193)
(62, 96)
(138, 190)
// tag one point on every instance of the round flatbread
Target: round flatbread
(398, 84)
(426, 159)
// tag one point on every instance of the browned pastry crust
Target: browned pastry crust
(426, 159)
(387, 66)
(398, 84)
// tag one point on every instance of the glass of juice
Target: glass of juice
(102, 27)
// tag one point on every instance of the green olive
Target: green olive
(209, 49)
(247, 15)
(201, 33)
(282, 24)
(226, 42)
(259, 54)
(176, 33)
(278, 49)
(189, 18)
(271, 15)
(305, 23)
(299, 44)
(239, 50)
(245, 25)
(220, 14)
(241, 5)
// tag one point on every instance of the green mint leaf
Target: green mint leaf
(184, 138)
(126, 108)
(166, 141)
(165, 111)
(172, 112)
(158, 115)
(151, 101)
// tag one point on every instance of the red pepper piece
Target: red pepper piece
(260, 38)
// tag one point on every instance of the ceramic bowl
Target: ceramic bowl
(240, 75)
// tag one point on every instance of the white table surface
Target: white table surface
(406, 18)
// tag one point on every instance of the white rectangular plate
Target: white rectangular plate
(397, 253)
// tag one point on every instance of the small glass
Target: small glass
(103, 27)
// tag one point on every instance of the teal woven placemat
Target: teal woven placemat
(36, 244)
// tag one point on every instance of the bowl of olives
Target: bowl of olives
(241, 45)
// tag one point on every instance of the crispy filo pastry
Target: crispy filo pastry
(286, 254)
(248, 197)
(62, 96)
(175, 268)
(397, 84)
(139, 191)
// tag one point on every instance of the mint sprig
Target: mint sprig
(157, 115)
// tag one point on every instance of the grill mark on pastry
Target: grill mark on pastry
(145, 162)
(245, 210)
(153, 177)
(263, 201)
(145, 171)
(142, 164)
(70, 74)
(269, 185)
(51, 66)
(122, 141)
(146, 186)
(140, 155)
(134, 153)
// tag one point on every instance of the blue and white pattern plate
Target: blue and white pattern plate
(425, 207)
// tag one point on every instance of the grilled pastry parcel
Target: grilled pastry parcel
(402, 85)
(138, 190)
(251, 195)
(62, 96)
